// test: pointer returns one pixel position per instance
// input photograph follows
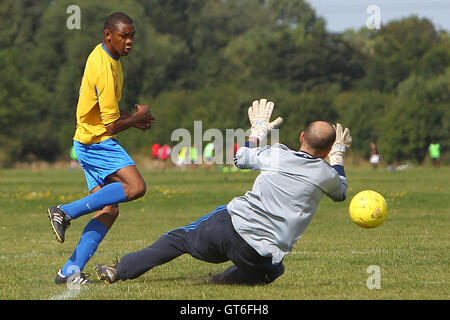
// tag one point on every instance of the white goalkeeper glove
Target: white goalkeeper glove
(259, 114)
(341, 144)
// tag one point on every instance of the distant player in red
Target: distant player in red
(164, 152)
(155, 149)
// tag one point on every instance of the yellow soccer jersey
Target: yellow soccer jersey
(100, 93)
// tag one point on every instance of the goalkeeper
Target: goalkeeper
(255, 231)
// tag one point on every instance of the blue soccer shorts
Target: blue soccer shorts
(99, 160)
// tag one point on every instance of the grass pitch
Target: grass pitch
(331, 261)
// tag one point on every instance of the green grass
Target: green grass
(329, 262)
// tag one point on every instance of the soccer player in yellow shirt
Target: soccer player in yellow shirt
(111, 174)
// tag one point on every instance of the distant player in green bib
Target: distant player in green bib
(435, 152)
(208, 154)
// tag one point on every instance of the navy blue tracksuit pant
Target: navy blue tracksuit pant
(213, 239)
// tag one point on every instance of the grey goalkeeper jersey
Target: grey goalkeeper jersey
(275, 213)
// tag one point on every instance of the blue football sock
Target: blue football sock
(110, 194)
(93, 234)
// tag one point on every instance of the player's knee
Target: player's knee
(137, 190)
(141, 188)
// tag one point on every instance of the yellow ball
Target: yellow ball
(368, 209)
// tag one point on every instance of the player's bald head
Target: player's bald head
(319, 136)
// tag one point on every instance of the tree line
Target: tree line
(208, 59)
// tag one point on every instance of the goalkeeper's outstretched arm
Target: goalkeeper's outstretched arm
(342, 143)
(259, 114)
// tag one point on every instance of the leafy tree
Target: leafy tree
(363, 112)
(398, 49)
(417, 114)
(208, 59)
(24, 129)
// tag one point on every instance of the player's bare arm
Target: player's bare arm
(125, 115)
(141, 119)
(140, 125)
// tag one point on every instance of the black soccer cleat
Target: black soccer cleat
(59, 221)
(107, 272)
(76, 278)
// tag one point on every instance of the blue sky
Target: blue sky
(344, 14)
